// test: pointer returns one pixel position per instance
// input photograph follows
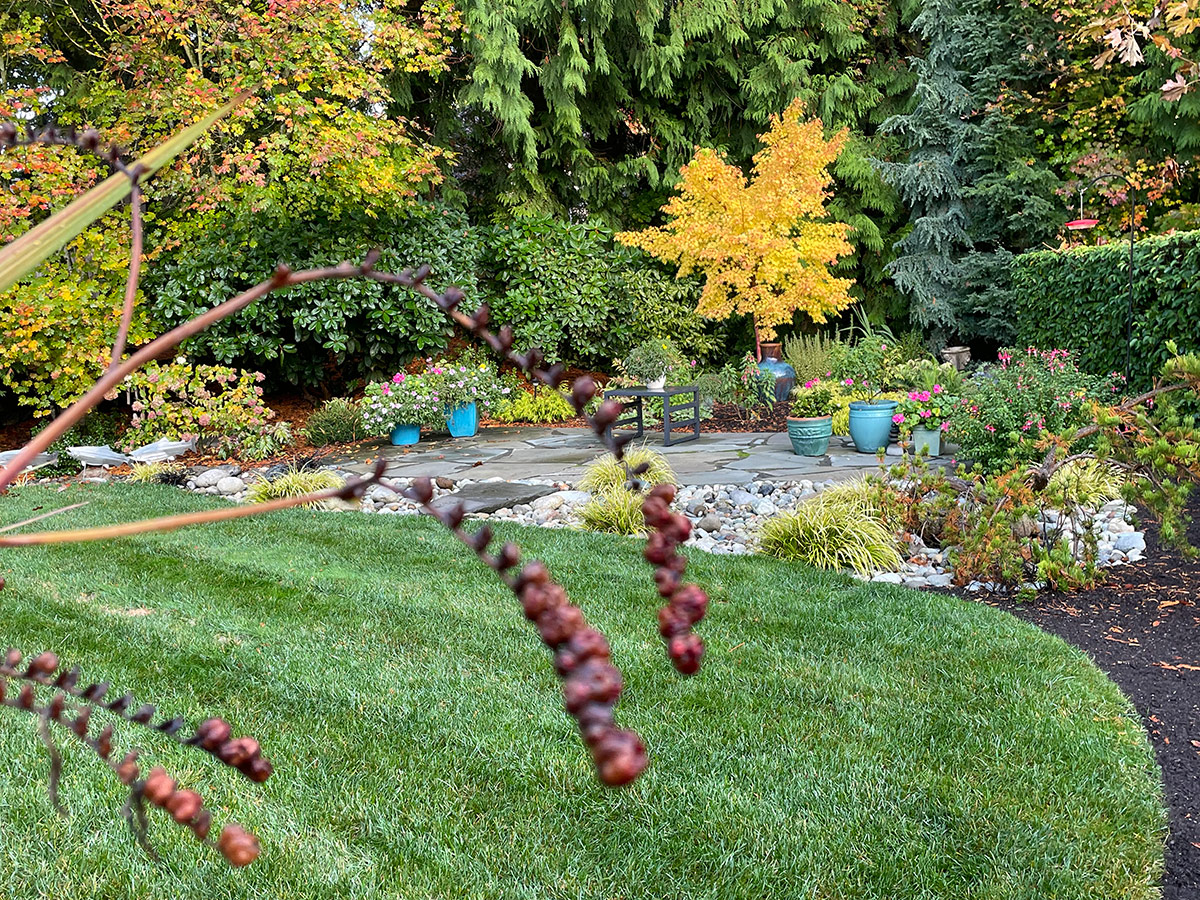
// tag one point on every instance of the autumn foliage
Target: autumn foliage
(762, 243)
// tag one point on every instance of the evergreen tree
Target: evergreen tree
(930, 182)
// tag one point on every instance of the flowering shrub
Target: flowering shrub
(221, 407)
(405, 400)
(464, 381)
(924, 409)
(866, 368)
(651, 359)
(1009, 407)
(812, 400)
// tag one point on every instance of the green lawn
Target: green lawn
(843, 741)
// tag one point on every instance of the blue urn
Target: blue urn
(773, 365)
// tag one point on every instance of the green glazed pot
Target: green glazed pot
(871, 424)
(927, 440)
(810, 437)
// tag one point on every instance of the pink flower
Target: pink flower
(387, 391)
(989, 427)
(945, 426)
(848, 382)
(925, 413)
(204, 420)
(923, 396)
(398, 378)
(898, 418)
(812, 382)
(937, 388)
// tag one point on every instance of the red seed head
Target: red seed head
(655, 512)
(127, 771)
(677, 528)
(159, 786)
(691, 601)
(596, 681)
(183, 806)
(664, 492)
(212, 733)
(533, 573)
(667, 581)
(201, 823)
(659, 549)
(686, 651)
(238, 752)
(43, 664)
(12, 659)
(258, 769)
(671, 621)
(238, 846)
(620, 757)
(559, 623)
(584, 645)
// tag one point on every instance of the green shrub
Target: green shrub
(923, 374)
(270, 440)
(1079, 298)
(353, 326)
(1007, 409)
(605, 473)
(542, 405)
(614, 510)
(293, 483)
(337, 421)
(811, 355)
(219, 406)
(831, 534)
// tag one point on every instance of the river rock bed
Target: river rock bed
(725, 517)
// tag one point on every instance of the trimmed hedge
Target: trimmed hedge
(1079, 299)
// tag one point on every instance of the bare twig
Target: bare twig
(135, 268)
(54, 512)
(171, 523)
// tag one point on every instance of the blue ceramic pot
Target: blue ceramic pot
(810, 437)
(784, 375)
(406, 434)
(463, 420)
(871, 424)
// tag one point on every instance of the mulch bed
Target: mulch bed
(1142, 627)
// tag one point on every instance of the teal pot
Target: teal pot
(871, 424)
(406, 434)
(463, 420)
(927, 440)
(784, 375)
(810, 436)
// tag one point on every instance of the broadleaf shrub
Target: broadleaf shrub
(1080, 298)
(356, 328)
(221, 407)
(57, 327)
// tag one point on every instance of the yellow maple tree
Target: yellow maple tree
(763, 243)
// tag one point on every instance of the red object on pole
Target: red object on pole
(1082, 224)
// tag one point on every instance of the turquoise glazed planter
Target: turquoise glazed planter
(463, 420)
(871, 424)
(926, 440)
(406, 434)
(810, 437)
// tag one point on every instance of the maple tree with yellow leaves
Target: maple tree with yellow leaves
(763, 243)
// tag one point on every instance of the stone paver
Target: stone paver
(561, 454)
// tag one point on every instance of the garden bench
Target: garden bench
(666, 394)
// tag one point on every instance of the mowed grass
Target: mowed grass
(843, 740)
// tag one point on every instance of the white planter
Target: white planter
(658, 383)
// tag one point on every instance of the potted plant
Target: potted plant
(465, 387)
(868, 365)
(400, 407)
(923, 415)
(810, 424)
(650, 361)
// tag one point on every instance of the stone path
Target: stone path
(561, 454)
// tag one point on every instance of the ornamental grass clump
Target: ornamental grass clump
(1088, 483)
(606, 472)
(295, 482)
(833, 534)
(614, 510)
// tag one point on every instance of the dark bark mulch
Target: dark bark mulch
(728, 417)
(1142, 627)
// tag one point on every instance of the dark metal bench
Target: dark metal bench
(635, 417)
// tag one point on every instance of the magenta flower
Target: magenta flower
(925, 413)
(898, 418)
(937, 388)
(945, 426)
(848, 382)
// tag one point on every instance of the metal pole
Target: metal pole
(1129, 314)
